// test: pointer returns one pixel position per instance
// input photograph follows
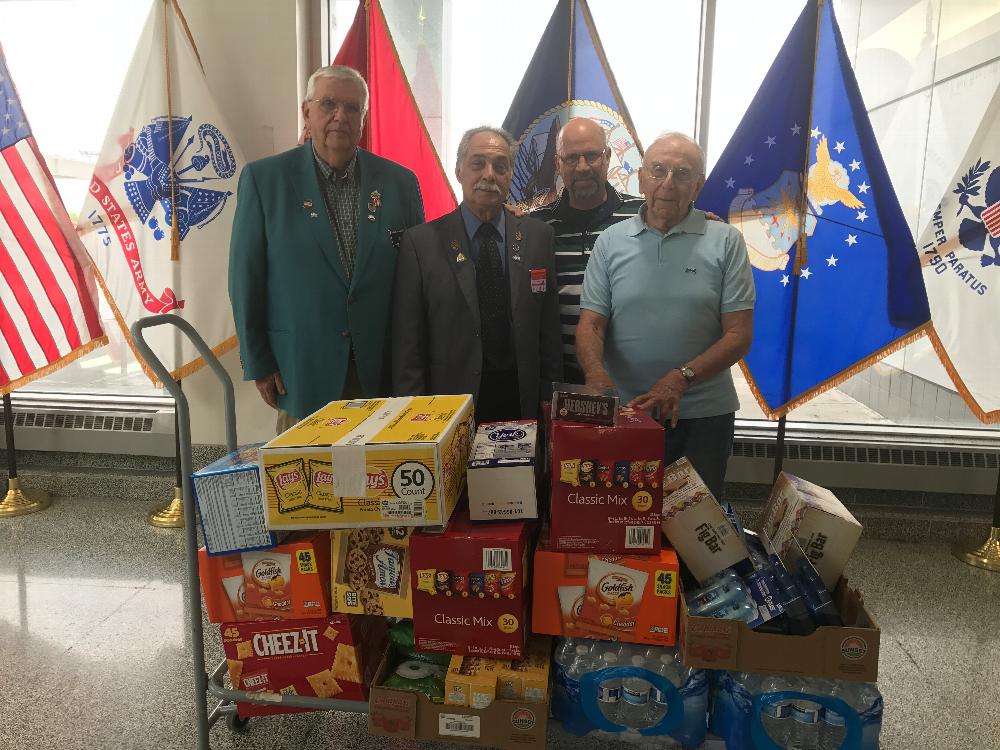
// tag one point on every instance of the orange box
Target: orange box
(290, 580)
(639, 595)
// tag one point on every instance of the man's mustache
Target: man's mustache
(487, 186)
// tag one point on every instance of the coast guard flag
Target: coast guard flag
(48, 298)
(167, 174)
(838, 279)
(960, 256)
(394, 128)
(568, 76)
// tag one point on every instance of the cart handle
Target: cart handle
(173, 387)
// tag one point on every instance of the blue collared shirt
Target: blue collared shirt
(472, 224)
(664, 296)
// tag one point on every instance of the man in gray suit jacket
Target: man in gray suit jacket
(476, 308)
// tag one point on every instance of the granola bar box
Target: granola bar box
(371, 571)
(470, 593)
(369, 462)
(606, 485)
(333, 657)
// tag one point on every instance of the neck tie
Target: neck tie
(491, 287)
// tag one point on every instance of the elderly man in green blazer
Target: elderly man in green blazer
(313, 254)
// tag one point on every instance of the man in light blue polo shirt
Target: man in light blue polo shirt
(667, 309)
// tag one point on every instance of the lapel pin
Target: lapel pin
(515, 257)
(460, 258)
(313, 215)
(374, 200)
(371, 217)
(456, 245)
(518, 236)
(307, 204)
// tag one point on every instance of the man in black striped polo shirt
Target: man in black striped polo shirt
(587, 206)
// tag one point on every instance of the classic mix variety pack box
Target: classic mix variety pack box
(629, 598)
(332, 657)
(607, 485)
(290, 580)
(371, 571)
(696, 525)
(502, 471)
(375, 462)
(470, 588)
(824, 528)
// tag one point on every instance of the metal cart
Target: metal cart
(210, 684)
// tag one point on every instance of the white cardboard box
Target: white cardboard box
(696, 525)
(824, 528)
(501, 471)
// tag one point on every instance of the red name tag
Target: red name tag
(538, 280)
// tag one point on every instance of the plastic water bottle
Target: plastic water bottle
(635, 698)
(667, 667)
(777, 717)
(832, 728)
(582, 663)
(609, 692)
(565, 653)
(705, 604)
(805, 720)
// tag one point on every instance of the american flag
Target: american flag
(48, 298)
(991, 218)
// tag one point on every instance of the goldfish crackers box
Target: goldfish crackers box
(469, 588)
(606, 485)
(628, 598)
(333, 657)
(370, 462)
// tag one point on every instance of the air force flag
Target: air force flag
(837, 276)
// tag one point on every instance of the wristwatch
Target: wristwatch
(688, 373)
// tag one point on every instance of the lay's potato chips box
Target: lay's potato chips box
(369, 462)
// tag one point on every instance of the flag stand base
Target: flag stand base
(986, 555)
(171, 516)
(21, 503)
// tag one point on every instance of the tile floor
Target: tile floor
(94, 643)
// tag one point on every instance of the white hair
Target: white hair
(675, 135)
(468, 135)
(341, 73)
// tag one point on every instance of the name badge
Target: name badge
(538, 280)
(396, 237)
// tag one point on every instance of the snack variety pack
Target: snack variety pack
(287, 581)
(375, 462)
(333, 657)
(502, 471)
(371, 571)
(606, 485)
(469, 587)
(228, 496)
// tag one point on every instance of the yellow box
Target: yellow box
(374, 462)
(471, 681)
(527, 679)
(370, 571)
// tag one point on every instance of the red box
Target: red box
(607, 485)
(333, 657)
(288, 581)
(567, 596)
(469, 587)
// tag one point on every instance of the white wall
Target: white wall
(248, 48)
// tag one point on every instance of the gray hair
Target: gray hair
(468, 135)
(674, 135)
(341, 73)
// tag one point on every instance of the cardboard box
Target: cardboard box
(696, 525)
(502, 471)
(470, 588)
(581, 403)
(824, 528)
(471, 681)
(334, 657)
(574, 594)
(515, 725)
(837, 653)
(477, 681)
(287, 581)
(376, 462)
(230, 506)
(371, 571)
(606, 486)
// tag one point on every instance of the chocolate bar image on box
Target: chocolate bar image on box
(580, 403)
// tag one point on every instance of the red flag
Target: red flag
(48, 295)
(395, 128)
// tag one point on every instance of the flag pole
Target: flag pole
(987, 554)
(171, 516)
(17, 502)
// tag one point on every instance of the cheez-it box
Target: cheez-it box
(606, 485)
(469, 588)
(333, 657)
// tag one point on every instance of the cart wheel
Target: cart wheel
(236, 724)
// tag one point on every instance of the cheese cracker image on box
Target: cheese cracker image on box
(370, 462)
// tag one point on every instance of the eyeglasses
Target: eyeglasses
(658, 173)
(329, 106)
(591, 157)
